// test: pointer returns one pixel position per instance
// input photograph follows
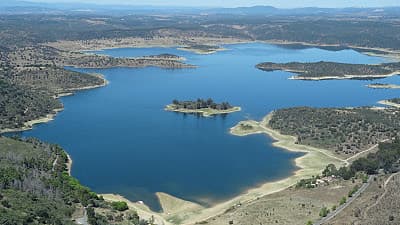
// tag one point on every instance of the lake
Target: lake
(122, 141)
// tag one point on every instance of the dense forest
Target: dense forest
(20, 104)
(387, 158)
(35, 188)
(332, 69)
(345, 131)
(201, 104)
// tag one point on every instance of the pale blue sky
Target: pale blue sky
(235, 3)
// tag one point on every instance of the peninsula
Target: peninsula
(383, 86)
(344, 132)
(394, 102)
(202, 49)
(333, 70)
(204, 107)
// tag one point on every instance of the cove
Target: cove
(122, 141)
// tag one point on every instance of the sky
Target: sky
(236, 3)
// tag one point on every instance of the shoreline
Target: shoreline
(389, 103)
(206, 112)
(201, 52)
(131, 42)
(390, 53)
(69, 163)
(28, 125)
(344, 77)
(311, 163)
(100, 44)
(383, 86)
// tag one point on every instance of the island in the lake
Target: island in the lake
(333, 70)
(205, 107)
(202, 49)
(383, 86)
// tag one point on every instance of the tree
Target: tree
(330, 170)
(342, 200)
(120, 206)
(324, 212)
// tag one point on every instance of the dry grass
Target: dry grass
(374, 206)
(291, 206)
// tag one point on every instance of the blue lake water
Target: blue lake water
(122, 141)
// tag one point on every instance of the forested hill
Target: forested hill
(35, 188)
(346, 131)
(330, 70)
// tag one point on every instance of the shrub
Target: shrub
(120, 206)
(342, 201)
(324, 212)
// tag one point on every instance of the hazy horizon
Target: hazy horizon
(238, 3)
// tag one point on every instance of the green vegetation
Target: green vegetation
(30, 76)
(349, 29)
(120, 206)
(331, 70)
(200, 104)
(35, 187)
(324, 212)
(19, 105)
(395, 100)
(353, 191)
(386, 158)
(201, 107)
(346, 131)
(308, 183)
(343, 200)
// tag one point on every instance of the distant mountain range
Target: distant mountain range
(16, 6)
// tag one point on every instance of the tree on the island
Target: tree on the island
(209, 101)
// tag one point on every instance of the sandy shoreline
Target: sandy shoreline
(344, 77)
(383, 86)
(202, 52)
(389, 103)
(311, 163)
(69, 163)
